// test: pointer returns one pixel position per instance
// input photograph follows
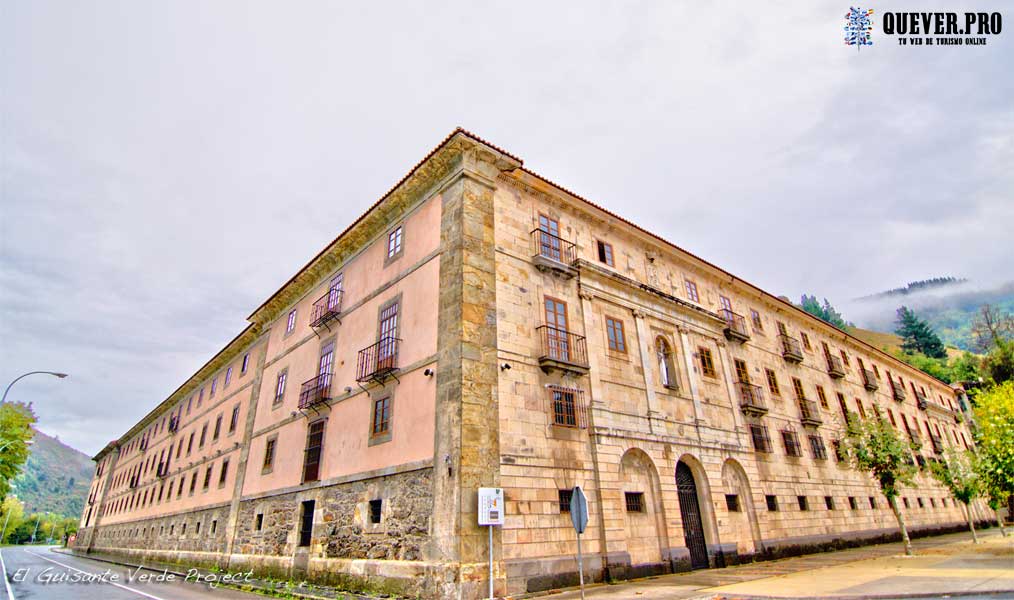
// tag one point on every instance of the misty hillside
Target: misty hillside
(949, 305)
(55, 478)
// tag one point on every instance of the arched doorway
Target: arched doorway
(690, 512)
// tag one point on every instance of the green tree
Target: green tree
(966, 367)
(957, 473)
(994, 440)
(12, 512)
(999, 363)
(824, 311)
(16, 421)
(918, 336)
(874, 446)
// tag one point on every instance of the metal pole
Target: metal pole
(490, 562)
(36, 529)
(580, 565)
(4, 534)
(60, 375)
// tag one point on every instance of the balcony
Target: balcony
(791, 350)
(562, 351)
(870, 380)
(327, 310)
(379, 361)
(938, 444)
(315, 391)
(809, 414)
(553, 254)
(735, 326)
(897, 391)
(921, 401)
(751, 399)
(834, 367)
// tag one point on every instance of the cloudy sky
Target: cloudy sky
(166, 166)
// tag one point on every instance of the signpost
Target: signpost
(491, 515)
(579, 517)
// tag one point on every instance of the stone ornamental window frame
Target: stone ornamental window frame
(395, 236)
(377, 438)
(270, 450)
(281, 383)
(616, 335)
(605, 252)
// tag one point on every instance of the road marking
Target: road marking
(121, 586)
(10, 593)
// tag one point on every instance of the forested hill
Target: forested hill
(55, 478)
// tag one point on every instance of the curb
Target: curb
(855, 597)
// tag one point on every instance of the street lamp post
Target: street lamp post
(60, 375)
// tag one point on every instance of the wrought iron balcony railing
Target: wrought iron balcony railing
(379, 361)
(870, 380)
(562, 350)
(327, 310)
(809, 414)
(735, 326)
(791, 350)
(315, 391)
(553, 253)
(751, 399)
(834, 367)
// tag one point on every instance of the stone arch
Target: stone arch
(743, 524)
(646, 530)
(708, 518)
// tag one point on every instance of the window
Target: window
(381, 416)
(204, 435)
(214, 385)
(224, 473)
(193, 483)
(742, 373)
(234, 419)
(200, 397)
(190, 402)
(259, 521)
(290, 325)
(394, 243)
(311, 456)
(829, 502)
(797, 386)
(306, 522)
(791, 442)
(605, 253)
(817, 447)
(376, 509)
(179, 490)
(245, 364)
(919, 501)
(772, 382)
(772, 502)
(666, 368)
(207, 478)
(564, 498)
(214, 526)
(852, 503)
(228, 376)
(567, 407)
(803, 505)
(845, 358)
(190, 443)
(197, 528)
(905, 500)
(732, 502)
(806, 340)
(822, 397)
(758, 325)
(269, 454)
(280, 386)
(635, 501)
(218, 427)
(692, 292)
(614, 332)
(759, 435)
(707, 365)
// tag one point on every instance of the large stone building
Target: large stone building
(482, 326)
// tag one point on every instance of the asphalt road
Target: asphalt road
(38, 573)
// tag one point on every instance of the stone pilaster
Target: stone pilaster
(695, 391)
(466, 446)
(644, 343)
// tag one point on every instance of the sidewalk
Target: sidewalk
(943, 565)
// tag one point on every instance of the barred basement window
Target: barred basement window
(761, 441)
(803, 504)
(852, 503)
(772, 502)
(635, 501)
(565, 497)
(732, 502)
(791, 442)
(376, 508)
(817, 447)
(829, 502)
